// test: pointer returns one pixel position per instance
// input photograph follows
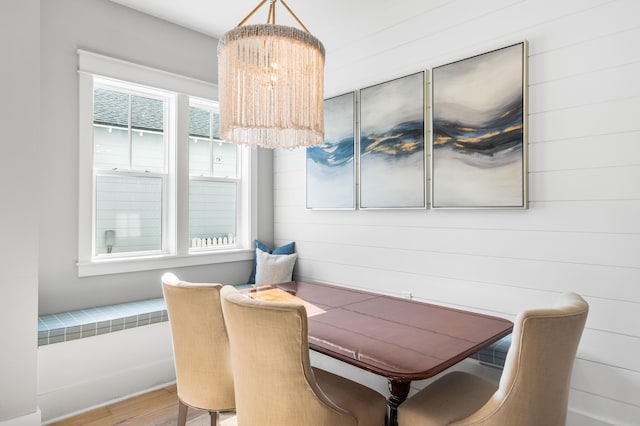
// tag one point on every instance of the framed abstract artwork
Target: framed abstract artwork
(331, 166)
(392, 147)
(479, 138)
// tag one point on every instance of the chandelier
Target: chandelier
(271, 84)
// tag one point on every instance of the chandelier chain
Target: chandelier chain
(271, 15)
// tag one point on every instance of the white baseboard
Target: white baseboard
(578, 419)
(31, 419)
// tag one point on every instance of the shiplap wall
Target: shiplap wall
(582, 230)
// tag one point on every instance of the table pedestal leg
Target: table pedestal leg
(399, 392)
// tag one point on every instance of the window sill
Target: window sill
(118, 266)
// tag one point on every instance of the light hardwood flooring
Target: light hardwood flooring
(157, 408)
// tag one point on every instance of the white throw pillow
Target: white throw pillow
(274, 268)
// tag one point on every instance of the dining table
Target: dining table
(397, 338)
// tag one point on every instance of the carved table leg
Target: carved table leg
(399, 392)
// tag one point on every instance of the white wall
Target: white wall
(82, 374)
(19, 154)
(110, 29)
(581, 232)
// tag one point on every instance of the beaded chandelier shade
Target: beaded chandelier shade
(271, 84)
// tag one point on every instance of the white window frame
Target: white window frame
(176, 251)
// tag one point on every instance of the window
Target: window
(158, 187)
(130, 169)
(213, 180)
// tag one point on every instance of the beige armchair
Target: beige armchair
(275, 384)
(200, 347)
(534, 387)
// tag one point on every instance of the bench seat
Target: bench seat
(72, 325)
(81, 323)
(494, 354)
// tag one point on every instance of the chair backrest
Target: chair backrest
(534, 387)
(274, 381)
(200, 344)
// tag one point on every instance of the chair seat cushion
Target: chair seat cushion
(452, 397)
(367, 405)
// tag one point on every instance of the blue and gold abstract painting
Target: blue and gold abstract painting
(392, 154)
(478, 146)
(331, 166)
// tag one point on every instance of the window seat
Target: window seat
(494, 354)
(72, 325)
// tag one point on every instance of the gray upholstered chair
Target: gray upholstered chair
(200, 347)
(534, 387)
(274, 382)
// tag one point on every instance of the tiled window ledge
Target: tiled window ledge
(72, 325)
(495, 354)
(65, 326)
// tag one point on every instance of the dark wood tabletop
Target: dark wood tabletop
(400, 339)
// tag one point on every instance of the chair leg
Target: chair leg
(182, 413)
(215, 418)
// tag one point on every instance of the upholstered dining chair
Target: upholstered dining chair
(274, 381)
(200, 348)
(533, 388)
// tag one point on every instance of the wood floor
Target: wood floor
(157, 408)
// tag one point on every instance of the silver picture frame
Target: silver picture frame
(331, 167)
(392, 148)
(479, 131)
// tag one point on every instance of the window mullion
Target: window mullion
(181, 151)
(130, 134)
(211, 154)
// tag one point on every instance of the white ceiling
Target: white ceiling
(215, 17)
(362, 38)
(337, 23)
(332, 20)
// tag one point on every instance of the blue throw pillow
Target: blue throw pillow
(288, 248)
